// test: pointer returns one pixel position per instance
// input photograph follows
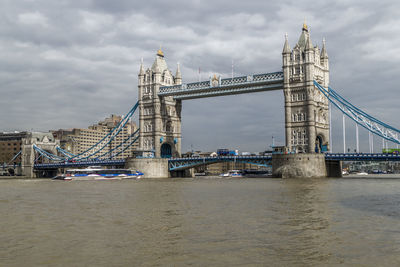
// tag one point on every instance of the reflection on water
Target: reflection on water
(214, 222)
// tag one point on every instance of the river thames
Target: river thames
(201, 222)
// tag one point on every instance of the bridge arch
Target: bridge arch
(319, 143)
(166, 150)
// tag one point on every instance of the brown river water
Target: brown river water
(201, 222)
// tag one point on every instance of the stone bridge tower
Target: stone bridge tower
(44, 141)
(159, 117)
(306, 108)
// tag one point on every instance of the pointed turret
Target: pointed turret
(324, 54)
(309, 45)
(141, 70)
(178, 75)
(178, 71)
(159, 64)
(304, 36)
(286, 47)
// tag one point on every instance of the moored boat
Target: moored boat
(232, 173)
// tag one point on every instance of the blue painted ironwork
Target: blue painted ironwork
(176, 164)
(64, 152)
(363, 119)
(236, 85)
(362, 157)
(110, 152)
(99, 146)
(47, 155)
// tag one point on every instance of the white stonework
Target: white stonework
(306, 108)
(159, 117)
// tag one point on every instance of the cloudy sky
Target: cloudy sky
(70, 63)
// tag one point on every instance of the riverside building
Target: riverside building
(10, 145)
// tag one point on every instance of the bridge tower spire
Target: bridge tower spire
(306, 109)
(159, 117)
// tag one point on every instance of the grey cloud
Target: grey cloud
(70, 63)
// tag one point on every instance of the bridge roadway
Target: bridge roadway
(176, 164)
(220, 87)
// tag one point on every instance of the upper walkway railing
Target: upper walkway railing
(229, 86)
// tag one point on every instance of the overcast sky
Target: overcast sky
(67, 63)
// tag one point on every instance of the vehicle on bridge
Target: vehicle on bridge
(227, 152)
(97, 173)
(391, 151)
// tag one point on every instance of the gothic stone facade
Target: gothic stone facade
(159, 117)
(306, 108)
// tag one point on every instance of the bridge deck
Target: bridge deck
(185, 163)
(220, 87)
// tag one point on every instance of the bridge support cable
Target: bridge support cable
(38, 158)
(96, 148)
(330, 127)
(120, 146)
(344, 133)
(15, 157)
(357, 139)
(129, 145)
(108, 138)
(47, 155)
(64, 152)
(363, 119)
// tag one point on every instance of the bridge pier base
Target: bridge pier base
(151, 167)
(188, 173)
(303, 166)
(334, 168)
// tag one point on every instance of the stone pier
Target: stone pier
(156, 168)
(151, 167)
(304, 165)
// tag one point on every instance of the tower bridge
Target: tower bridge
(304, 81)
(306, 108)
